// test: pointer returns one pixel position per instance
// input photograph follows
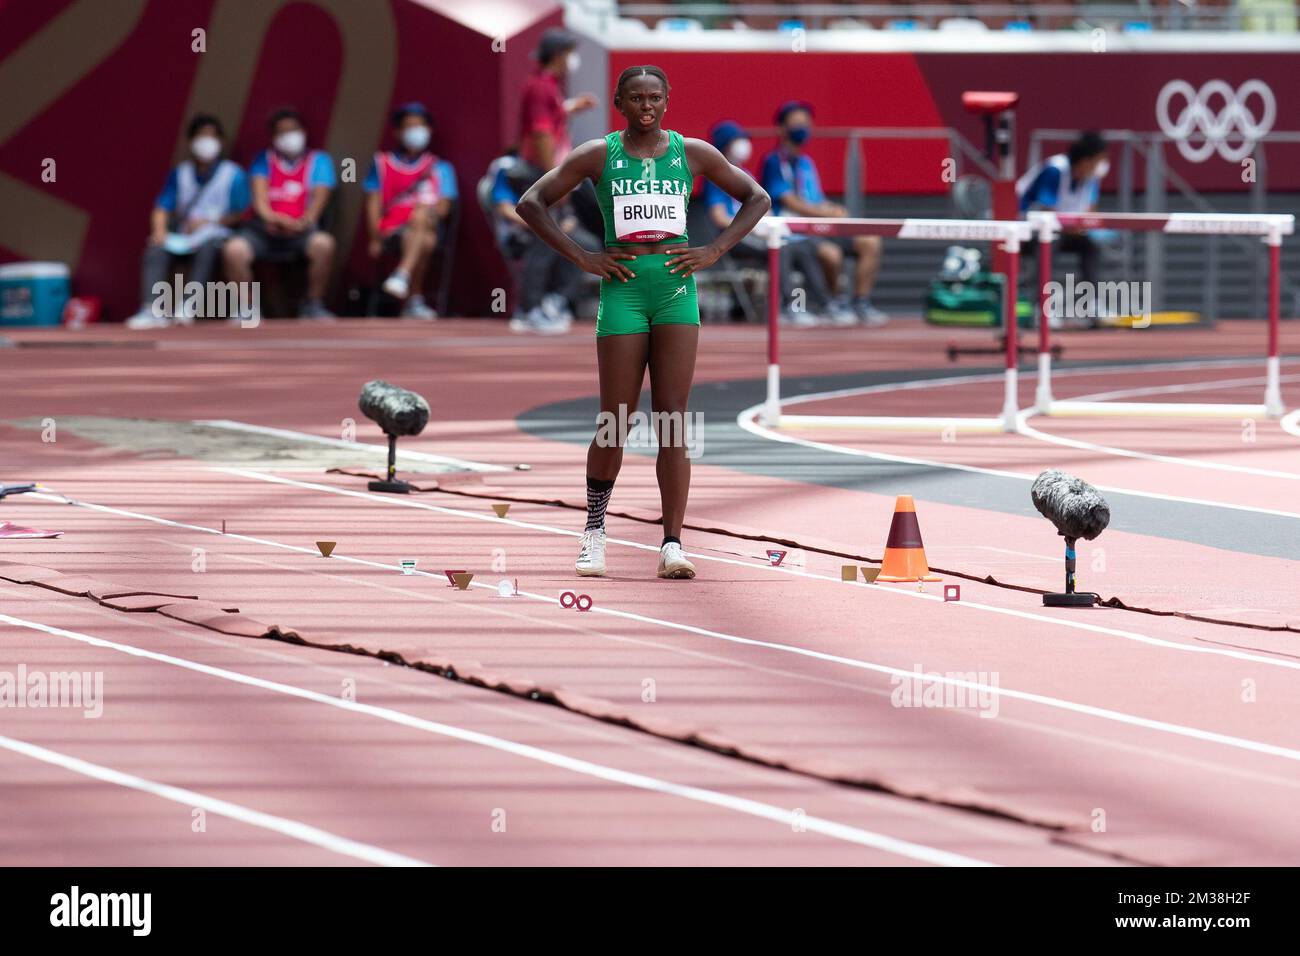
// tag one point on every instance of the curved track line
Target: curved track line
(1033, 433)
(755, 808)
(1291, 423)
(746, 421)
(1024, 428)
(189, 798)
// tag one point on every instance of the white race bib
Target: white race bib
(649, 217)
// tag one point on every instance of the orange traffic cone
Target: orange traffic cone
(904, 552)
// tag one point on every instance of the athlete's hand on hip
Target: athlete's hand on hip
(690, 261)
(607, 265)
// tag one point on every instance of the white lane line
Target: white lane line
(1058, 703)
(755, 808)
(746, 421)
(1180, 388)
(748, 565)
(1029, 431)
(189, 798)
(353, 445)
(906, 594)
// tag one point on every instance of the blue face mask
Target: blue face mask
(799, 135)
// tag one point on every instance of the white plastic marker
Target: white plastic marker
(408, 565)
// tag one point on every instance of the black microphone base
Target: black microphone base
(1075, 599)
(392, 487)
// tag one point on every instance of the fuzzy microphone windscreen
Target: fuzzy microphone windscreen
(1073, 505)
(396, 410)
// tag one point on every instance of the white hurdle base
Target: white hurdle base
(1066, 409)
(902, 423)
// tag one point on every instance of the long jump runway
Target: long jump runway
(347, 712)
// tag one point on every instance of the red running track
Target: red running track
(749, 716)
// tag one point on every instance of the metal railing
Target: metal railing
(1172, 15)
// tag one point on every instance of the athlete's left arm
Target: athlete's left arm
(704, 159)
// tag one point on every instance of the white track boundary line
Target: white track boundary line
(754, 808)
(1032, 433)
(1029, 431)
(1087, 709)
(354, 445)
(1180, 388)
(749, 565)
(402, 501)
(189, 798)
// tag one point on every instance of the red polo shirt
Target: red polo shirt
(541, 109)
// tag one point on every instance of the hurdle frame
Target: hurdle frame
(1270, 227)
(1011, 233)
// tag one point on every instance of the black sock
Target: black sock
(598, 492)
(669, 537)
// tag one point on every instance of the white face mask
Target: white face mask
(291, 143)
(574, 61)
(740, 150)
(205, 148)
(415, 138)
(1102, 169)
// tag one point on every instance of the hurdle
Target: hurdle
(1269, 227)
(1010, 233)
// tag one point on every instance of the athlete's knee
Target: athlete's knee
(830, 253)
(321, 244)
(237, 252)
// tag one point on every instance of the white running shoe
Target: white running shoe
(146, 319)
(397, 285)
(417, 308)
(673, 563)
(591, 558)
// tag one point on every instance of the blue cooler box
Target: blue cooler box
(33, 293)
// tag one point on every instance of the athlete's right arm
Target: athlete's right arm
(534, 208)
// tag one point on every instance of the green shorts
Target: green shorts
(655, 297)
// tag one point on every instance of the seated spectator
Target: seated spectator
(1069, 182)
(409, 192)
(291, 186)
(202, 199)
(790, 177)
(734, 143)
(550, 285)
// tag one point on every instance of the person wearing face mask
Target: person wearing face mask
(790, 177)
(204, 196)
(409, 191)
(544, 110)
(1069, 182)
(291, 185)
(731, 139)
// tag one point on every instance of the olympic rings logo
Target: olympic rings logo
(568, 599)
(1199, 117)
